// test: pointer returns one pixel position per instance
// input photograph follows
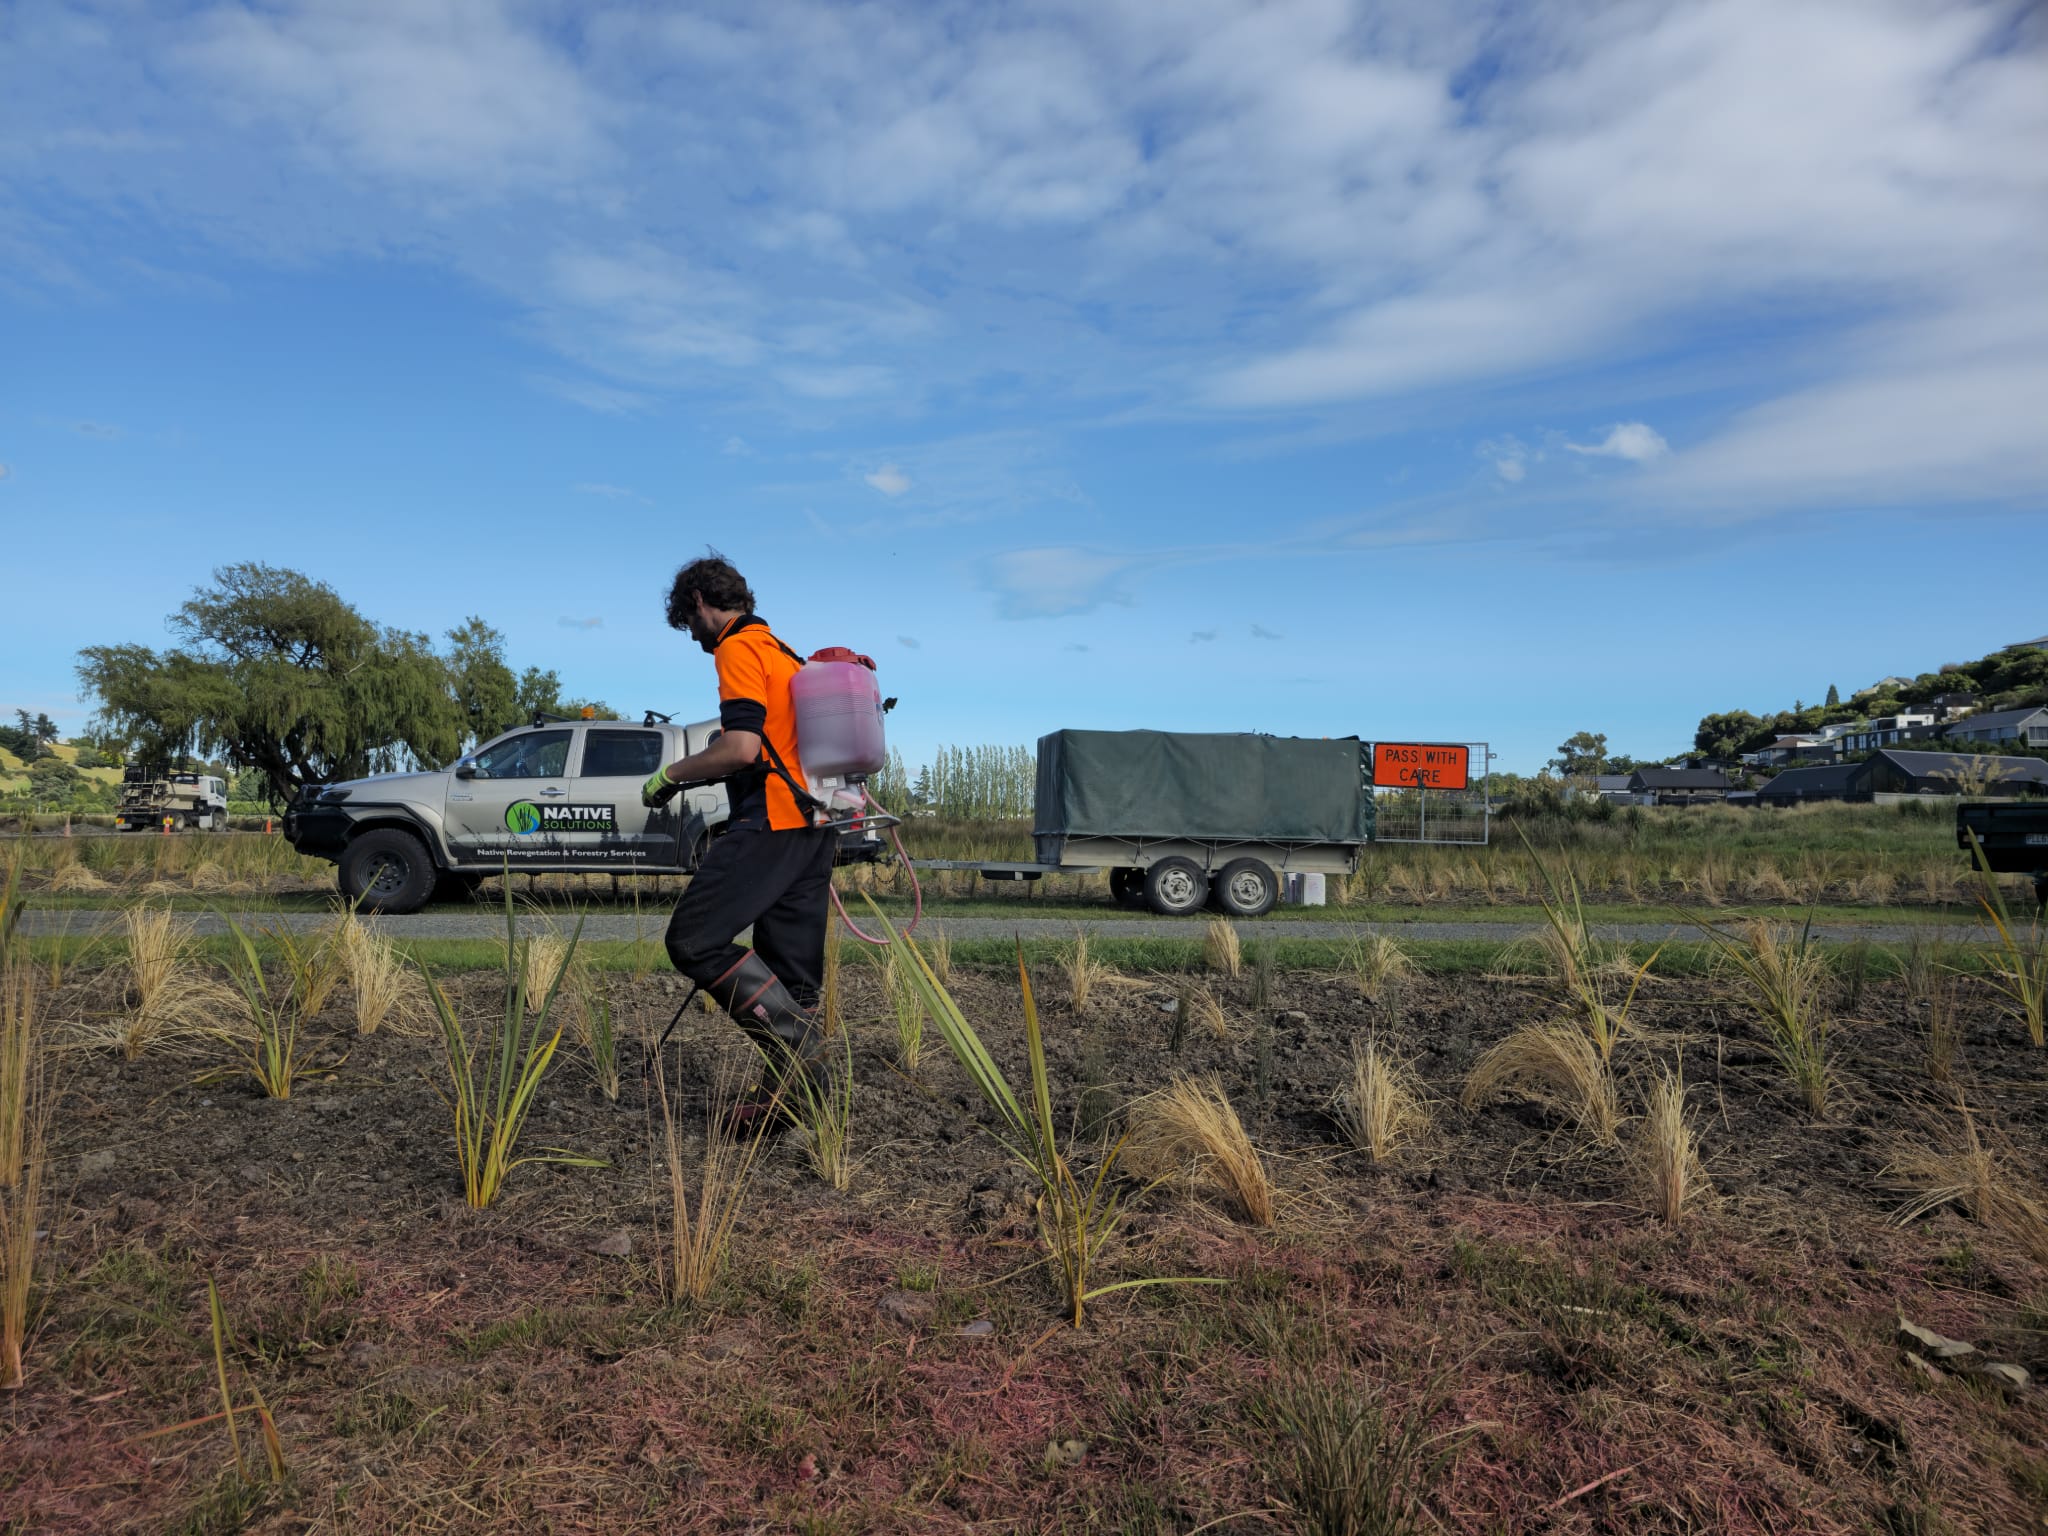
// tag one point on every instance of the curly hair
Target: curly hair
(712, 578)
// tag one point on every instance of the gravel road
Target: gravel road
(620, 926)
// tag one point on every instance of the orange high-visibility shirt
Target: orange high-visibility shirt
(754, 669)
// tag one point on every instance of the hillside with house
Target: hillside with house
(1969, 728)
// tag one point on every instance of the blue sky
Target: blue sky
(1434, 372)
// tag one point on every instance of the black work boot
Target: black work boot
(786, 1032)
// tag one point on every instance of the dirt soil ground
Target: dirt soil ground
(885, 1360)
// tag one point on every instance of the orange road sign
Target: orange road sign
(1419, 765)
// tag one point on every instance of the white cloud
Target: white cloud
(565, 622)
(1231, 205)
(1053, 582)
(611, 492)
(605, 399)
(889, 480)
(1630, 440)
(1509, 457)
(736, 447)
(5, 471)
(98, 429)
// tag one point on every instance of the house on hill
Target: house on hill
(1833, 781)
(2023, 727)
(1895, 772)
(1679, 786)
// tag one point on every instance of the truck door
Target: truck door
(499, 800)
(614, 830)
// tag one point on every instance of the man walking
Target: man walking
(772, 868)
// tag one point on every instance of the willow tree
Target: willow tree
(276, 673)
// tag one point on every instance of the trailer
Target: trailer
(2013, 836)
(1181, 821)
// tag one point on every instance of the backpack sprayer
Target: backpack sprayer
(840, 740)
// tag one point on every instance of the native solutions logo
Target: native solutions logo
(524, 818)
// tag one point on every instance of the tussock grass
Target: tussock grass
(821, 1104)
(1942, 1043)
(1083, 974)
(1349, 1466)
(705, 1198)
(77, 879)
(545, 956)
(24, 1135)
(940, 949)
(906, 1004)
(1221, 949)
(597, 1031)
(381, 988)
(1557, 1062)
(1982, 1179)
(173, 998)
(1381, 1105)
(1189, 1133)
(1376, 961)
(1666, 1152)
(1783, 979)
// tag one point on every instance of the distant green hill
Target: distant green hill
(2006, 679)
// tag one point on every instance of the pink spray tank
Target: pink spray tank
(838, 704)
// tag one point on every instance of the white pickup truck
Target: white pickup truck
(556, 795)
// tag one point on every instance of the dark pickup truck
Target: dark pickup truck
(2014, 836)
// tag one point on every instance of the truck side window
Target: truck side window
(622, 754)
(529, 755)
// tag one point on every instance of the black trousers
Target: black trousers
(780, 882)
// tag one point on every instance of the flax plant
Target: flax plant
(2019, 966)
(274, 1012)
(494, 1078)
(1783, 978)
(1077, 1220)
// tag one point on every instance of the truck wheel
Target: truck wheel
(1175, 887)
(1246, 888)
(386, 870)
(1127, 887)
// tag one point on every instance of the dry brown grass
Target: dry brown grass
(1221, 949)
(1083, 972)
(1205, 1009)
(76, 878)
(1555, 1062)
(704, 1200)
(1382, 1104)
(546, 954)
(1983, 1179)
(1666, 1151)
(381, 985)
(173, 998)
(1188, 1133)
(24, 1128)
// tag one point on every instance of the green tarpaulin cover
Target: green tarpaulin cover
(1175, 784)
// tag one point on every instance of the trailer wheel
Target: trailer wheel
(1175, 887)
(1247, 888)
(386, 870)
(1127, 888)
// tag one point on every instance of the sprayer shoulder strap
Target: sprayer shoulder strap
(806, 802)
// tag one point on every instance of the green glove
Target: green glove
(656, 791)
